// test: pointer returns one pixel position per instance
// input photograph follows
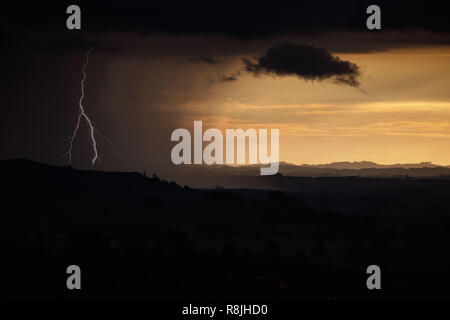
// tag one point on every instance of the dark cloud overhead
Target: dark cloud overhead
(338, 25)
(306, 62)
(244, 20)
(27, 41)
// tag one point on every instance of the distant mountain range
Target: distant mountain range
(201, 176)
(239, 176)
(356, 165)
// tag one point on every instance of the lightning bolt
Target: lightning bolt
(82, 115)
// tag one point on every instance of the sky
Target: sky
(335, 90)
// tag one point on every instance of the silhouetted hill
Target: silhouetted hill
(26, 174)
(138, 236)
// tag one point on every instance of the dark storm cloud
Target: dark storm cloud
(204, 59)
(27, 41)
(306, 62)
(76, 43)
(338, 25)
(236, 19)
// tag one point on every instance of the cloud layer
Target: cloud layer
(249, 20)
